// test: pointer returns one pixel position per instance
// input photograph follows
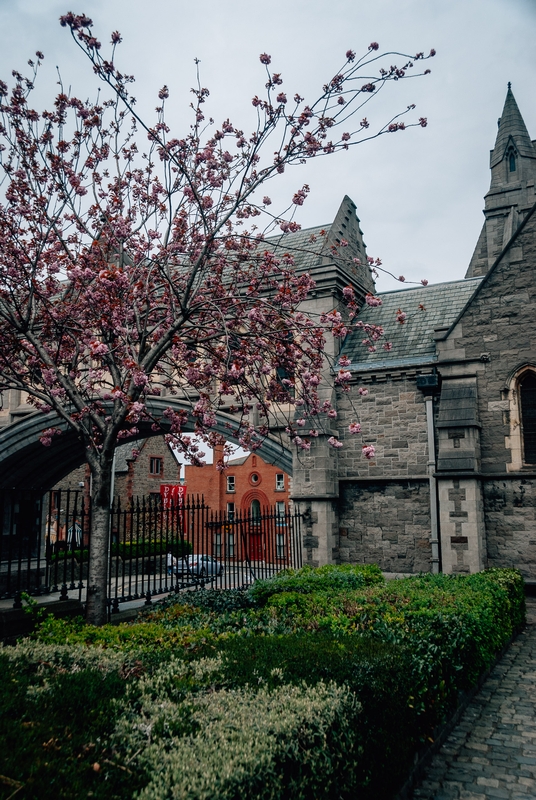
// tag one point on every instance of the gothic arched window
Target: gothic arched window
(512, 161)
(527, 398)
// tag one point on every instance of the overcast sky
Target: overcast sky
(419, 193)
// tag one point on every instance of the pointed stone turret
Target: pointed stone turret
(512, 138)
(346, 227)
(511, 194)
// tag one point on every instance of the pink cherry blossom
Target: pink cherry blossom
(137, 263)
(334, 442)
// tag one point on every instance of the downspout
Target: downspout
(434, 527)
(428, 384)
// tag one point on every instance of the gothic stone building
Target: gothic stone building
(451, 409)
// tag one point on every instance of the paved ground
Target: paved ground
(492, 752)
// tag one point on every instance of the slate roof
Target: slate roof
(412, 343)
(236, 462)
(458, 407)
(123, 454)
(301, 245)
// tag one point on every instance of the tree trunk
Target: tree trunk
(97, 584)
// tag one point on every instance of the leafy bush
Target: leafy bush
(303, 686)
(59, 708)
(329, 578)
(379, 675)
(151, 547)
(292, 741)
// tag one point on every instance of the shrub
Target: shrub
(151, 547)
(306, 687)
(59, 708)
(379, 674)
(329, 578)
(292, 741)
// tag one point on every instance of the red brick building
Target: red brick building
(249, 490)
(248, 485)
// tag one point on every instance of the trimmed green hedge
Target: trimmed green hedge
(151, 547)
(307, 580)
(317, 684)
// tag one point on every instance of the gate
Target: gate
(154, 549)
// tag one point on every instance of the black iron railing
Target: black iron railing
(155, 547)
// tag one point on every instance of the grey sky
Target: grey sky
(419, 193)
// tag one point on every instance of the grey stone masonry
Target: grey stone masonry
(510, 512)
(491, 753)
(387, 524)
(393, 418)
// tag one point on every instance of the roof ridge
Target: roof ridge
(462, 281)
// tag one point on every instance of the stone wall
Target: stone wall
(510, 515)
(499, 337)
(393, 419)
(386, 524)
(138, 480)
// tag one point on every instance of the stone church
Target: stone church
(450, 409)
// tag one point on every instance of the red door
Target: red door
(256, 546)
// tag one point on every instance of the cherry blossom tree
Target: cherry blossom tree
(136, 263)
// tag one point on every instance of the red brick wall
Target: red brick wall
(214, 486)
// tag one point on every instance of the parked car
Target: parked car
(204, 565)
(195, 564)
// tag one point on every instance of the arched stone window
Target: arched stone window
(527, 402)
(520, 390)
(512, 161)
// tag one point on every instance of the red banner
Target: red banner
(173, 495)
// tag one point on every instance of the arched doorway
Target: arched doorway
(253, 505)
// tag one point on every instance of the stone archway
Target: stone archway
(26, 463)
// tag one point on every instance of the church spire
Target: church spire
(511, 194)
(512, 133)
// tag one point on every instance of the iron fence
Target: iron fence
(155, 547)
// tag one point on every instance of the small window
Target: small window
(230, 512)
(255, 510)
(527, 394)
(280, 482)
(280, 545)
(155, 466)
(231, 484)
(254, 478)
(512, 161)
(230, 545)
(217, 545)
(280, 512)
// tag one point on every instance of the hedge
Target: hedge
(151, 547)
(317, 684)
